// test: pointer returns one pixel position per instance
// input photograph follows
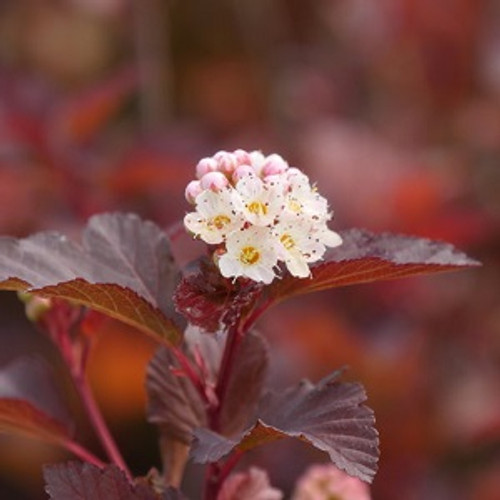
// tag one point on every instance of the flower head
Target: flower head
(260, 212)
(251, 485)
(324, 482)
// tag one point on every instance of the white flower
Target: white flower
(262, 202)
(251, 253)
(217, 214)
(299, 245)
(327, 236)
(302, 198)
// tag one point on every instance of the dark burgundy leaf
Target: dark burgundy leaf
(329, 415)
(247, 377)
(173, 402)
(84, 481)
(365, 257)
(122, 268)
(242, 303)
(202, 300)
(30, 403)
(212, 302)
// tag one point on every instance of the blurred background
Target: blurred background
(391, 106)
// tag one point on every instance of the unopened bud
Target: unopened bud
(218, 253)
(205, 165)
(193, 189)
(274, 165)
(214, 181)
(227, 162)
(242, 157)
(35, 307)
(257, 161)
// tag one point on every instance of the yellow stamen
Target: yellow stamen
(287, 241)
(257, 207)
(249, 255)
(219, 222)
(294, 205)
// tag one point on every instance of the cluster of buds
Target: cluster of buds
(259, 212)
(35, 307)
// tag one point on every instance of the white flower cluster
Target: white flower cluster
(260, 212)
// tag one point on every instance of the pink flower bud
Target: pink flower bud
(242, 171)
(205, 165)
(242, 157)
(274, 165)
(193, 189)
(214, 181)
(257, 161)
(226, 162)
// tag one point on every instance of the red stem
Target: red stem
(82, 453)
(216, 473)
(234, 338)
(212, 484)
(77, 364)
(99, 423)
(257, 313)
(229, 465)
(194, 377)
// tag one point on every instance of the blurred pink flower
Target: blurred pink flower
(326, 482)
(250, 485)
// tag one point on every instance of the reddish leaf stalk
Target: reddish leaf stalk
(234, 338)
(98, 422)
(82, 453)
(216, 474)
(212, 482)
(205, 392)
(257, 313)
(60, 332)
(229, 465)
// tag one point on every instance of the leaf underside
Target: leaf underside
(123, 268)
(173, 402)
(329, 416)
(30, 403)
(364, 257)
